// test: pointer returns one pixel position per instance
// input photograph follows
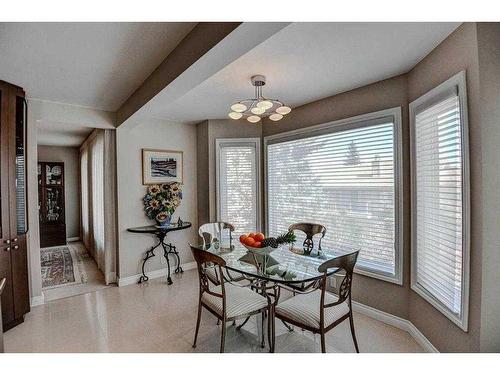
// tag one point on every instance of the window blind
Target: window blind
(237, 186)
(438, 202)
(344, 180)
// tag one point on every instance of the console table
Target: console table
(168, 249)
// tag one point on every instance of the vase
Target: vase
(164, 223)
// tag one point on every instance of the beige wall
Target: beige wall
(488, 35)
(71, 159)
(129, 143)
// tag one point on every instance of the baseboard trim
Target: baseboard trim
(72, 239)
(37, 300)
(397, 322)
(123, 281)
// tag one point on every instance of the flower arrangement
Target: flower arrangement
(161, 201)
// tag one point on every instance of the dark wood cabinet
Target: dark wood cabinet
(13, 214)
(2, 285)
(51, 204)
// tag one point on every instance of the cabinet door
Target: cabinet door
(17, 199)
(5, 250)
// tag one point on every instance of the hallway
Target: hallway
(88, 278)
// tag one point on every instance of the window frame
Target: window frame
(347, 124)
(232, 142)
(458, 82)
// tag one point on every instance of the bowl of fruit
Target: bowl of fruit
(259, 244)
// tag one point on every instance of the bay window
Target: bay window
(344, 175)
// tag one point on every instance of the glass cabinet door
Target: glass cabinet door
(21, 114)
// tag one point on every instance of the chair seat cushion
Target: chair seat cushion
(305, 309)
(239, 301)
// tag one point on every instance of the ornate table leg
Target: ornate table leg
(149, 254)
(165, 254)
(174, 251)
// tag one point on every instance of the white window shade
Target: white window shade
(345, 180)
(237, 183)
(439, 217)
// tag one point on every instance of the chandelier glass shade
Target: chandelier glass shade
(259, 107)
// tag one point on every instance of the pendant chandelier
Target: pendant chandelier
(257, 108)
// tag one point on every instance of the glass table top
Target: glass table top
(283, 265)
(155, 228)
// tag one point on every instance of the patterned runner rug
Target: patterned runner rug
(59, 267)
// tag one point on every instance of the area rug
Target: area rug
(59, 267)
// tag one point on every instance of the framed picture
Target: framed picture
(161, 166)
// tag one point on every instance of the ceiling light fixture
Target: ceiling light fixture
(255, 109)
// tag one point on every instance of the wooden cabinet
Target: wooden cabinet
(13, 215)
(51, 201)
(2, 285)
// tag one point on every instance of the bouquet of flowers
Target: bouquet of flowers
(161, 201)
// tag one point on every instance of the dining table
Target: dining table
(287, 267)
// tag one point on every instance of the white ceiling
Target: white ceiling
(61, 134)
(307, 61)
(98, 65)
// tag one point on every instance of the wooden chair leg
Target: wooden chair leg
(351, 321)
(223, 335)
(323, 345)
(218, 321)
(197, 325)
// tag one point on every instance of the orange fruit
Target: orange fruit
(243, 237)
(257, 244)
(251, 235)
(249, 241)
(259, 237)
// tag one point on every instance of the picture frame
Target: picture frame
(162, 166)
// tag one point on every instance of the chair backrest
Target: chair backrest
(344, 263)
(209, 231)
(203, 260)
(310, 229)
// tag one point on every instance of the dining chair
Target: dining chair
(211, 231)
(227, 301)
(215, 231)
(319, 311)
(310, 230)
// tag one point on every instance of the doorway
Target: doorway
(71, 216)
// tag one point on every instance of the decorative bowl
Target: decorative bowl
(260, 250)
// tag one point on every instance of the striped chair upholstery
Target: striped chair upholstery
(305, 309)
(240, 301)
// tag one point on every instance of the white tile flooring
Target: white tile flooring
(155, 317)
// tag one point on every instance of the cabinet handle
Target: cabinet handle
(7, 242)
(16, 247)
(7, 248)
(14, 240)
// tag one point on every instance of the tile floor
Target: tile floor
(155, 317)
(94, 278)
